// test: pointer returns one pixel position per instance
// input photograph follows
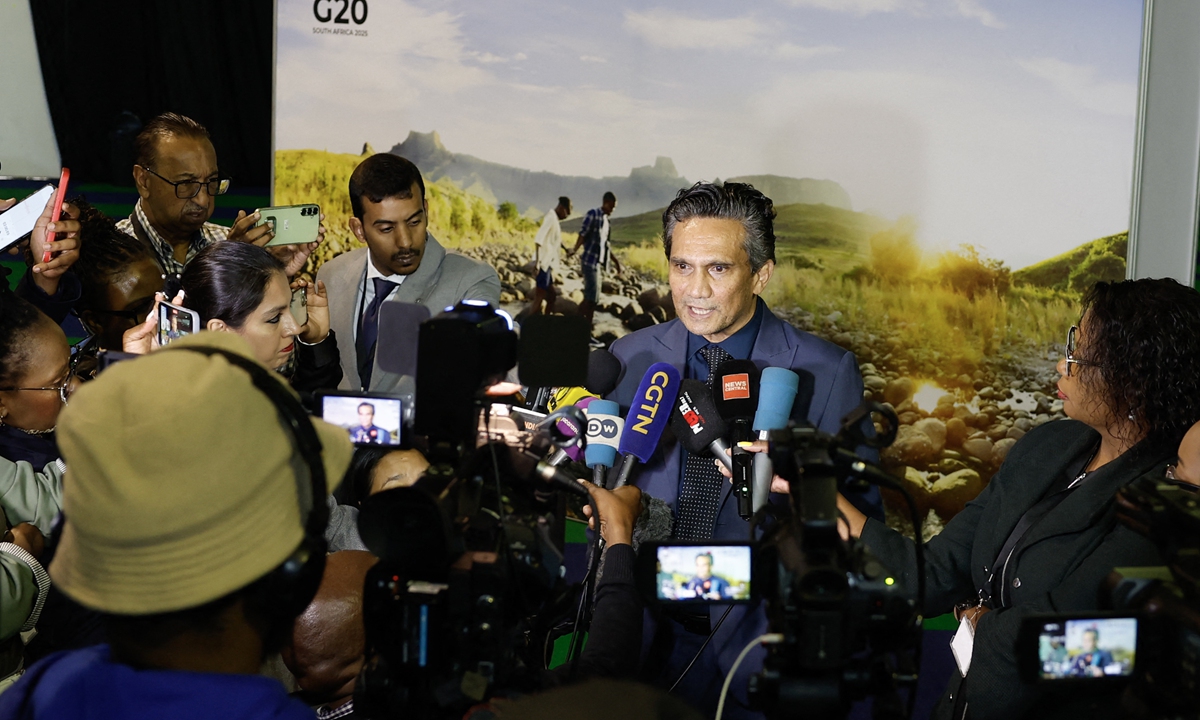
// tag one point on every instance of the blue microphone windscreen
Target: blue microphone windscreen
(776, 393)
(603, 433)
(650, 410)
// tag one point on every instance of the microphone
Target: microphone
(649, 413)
(777, 392)
(603, 435)
(568, 396)
(604, 372)
(736, 392)
(569, 428)
(697, 424)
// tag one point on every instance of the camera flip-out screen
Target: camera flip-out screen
(703, 573)
(1082, 648)
(368, 419)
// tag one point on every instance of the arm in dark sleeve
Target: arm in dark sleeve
(56, 306)
(319, 366)
(615, 636)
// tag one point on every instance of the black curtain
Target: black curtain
(106, 63)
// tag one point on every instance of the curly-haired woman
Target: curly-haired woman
(1043, 535)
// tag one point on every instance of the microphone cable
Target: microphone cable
(699, 652)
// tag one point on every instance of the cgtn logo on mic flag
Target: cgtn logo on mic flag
(736, 387)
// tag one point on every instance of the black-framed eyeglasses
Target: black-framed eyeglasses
(188, 189)
(1072, 335)
(63, 388)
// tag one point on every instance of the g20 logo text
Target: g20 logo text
(324, 11)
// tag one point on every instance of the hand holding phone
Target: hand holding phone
(174, 322)
(291, 224)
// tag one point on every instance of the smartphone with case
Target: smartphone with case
(299, 306)
(292, 224)
(18, 221)
(175, 322)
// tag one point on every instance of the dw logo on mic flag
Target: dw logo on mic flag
(735, 387)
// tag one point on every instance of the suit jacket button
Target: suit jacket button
(1016, 582)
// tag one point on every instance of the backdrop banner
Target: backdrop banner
(27, 145)
(948, 175)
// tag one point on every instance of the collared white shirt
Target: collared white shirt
(366, 291)
(549, 243)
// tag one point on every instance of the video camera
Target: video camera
(842, 627)
(1146, 646)
(470, 578)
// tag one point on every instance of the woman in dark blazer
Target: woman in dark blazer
(1043, 535)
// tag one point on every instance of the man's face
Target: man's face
(178, 158)
(703, 567)
(562, 211)
(366, 417)
(608, 207)
(1089, 641)
(394, 231)
(712, 285)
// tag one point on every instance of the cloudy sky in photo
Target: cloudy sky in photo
(1008, 125)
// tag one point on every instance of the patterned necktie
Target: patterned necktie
(368, 330)
(700, 489)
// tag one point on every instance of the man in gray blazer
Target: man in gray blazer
(402, 262)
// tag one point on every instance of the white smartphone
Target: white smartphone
(18, 221)
(175, 322)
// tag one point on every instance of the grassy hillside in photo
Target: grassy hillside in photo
(1078, 269)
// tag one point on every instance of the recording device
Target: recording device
(604, 426)
(697, 425)
(469, 584)
(370, 419)
(299, 306)
(175, 321)
(848, 628)
(604, 372)
(399, 330)
(649, 412)
(696, 573)
(736, 393)
(19, 220)
(291, 224)
(60, 196)
(1093, 650)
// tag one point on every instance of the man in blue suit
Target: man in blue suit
(720, 246)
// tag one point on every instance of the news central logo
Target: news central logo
(736, 387)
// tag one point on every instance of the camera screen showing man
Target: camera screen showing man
(1091, 648)
(369, 421)
(714, 573)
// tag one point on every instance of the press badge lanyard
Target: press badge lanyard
(993, 591)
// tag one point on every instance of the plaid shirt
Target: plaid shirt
(209, 234)
(594, 232)
(345, 710)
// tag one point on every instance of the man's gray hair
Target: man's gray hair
(732, 201)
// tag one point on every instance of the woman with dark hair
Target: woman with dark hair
(1043, 535)
(241, 288)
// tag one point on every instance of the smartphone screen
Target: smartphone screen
(174, 322)
(703, 573)
(367, 419)
(299, 306)
(18, 220)
(1086, 648)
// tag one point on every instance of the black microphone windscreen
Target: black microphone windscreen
(553, 351)
(654, 523)
(695, 421)
(736, 389)
(604, 372)
(399, 328)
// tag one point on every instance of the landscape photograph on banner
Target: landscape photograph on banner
(949, 176)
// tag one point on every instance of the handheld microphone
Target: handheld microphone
(649, 413)
(736, 393)
(697, 424)
(568, 427)
(603, 435)
(777, 392)
(604, 372)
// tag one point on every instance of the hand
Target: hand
(27, 537)
(854, 518)
(6, 204)
(778, 484)
(619, 510)
(143, 338)
(317, 327)
(64, 248)
(294, 257)
(243, 229)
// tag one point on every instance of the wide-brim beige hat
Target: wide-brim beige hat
(181, 482)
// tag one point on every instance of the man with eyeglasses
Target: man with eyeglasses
(178, 181)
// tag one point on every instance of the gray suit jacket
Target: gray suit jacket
(442, 280)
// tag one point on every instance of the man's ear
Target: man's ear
(356, 227)
(763, 276)
(141, 179)
(217, 326)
